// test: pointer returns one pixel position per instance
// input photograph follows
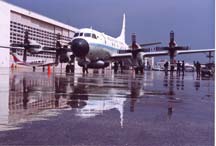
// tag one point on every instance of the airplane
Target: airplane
(94, 49)
(39, 55)
(31, 63)
(97, 50)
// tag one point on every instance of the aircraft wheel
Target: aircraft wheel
(136, 70)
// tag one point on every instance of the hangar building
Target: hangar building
(15, 20)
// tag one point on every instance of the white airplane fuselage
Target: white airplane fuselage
(98, 48)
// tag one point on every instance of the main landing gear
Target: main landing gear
(139, 69)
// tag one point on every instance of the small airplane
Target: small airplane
(94, 49)
(31, 63)
(34, 48)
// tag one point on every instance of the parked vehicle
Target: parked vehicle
(207, 71)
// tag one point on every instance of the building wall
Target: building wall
(4, 34)
(40, 31)
(15, 20)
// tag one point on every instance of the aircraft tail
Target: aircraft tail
(15, 58)
(122, 35)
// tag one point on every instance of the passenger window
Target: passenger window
(87, 35)
(94, 36)
(76, 34)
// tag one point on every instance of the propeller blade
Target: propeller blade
(57, 57)
(26, 38)
(25, 55)
(58, 43)
(58, 47)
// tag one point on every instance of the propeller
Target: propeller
(31, 46)
(136, 48)
(58, 47)
(210, 56)
(26, 45)
(61, 51)
(172, 48)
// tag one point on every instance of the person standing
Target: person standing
(85, 68)
(115, 67)
(198, 67)
(166, 65)
(183, 67)
(178, 67)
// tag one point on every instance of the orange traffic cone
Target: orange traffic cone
(12, 65)
(49, 70)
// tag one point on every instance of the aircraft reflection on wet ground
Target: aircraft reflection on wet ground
(150, 97)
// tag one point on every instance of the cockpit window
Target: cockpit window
(81, 34)
(76, 34)
(94, 36)
(87, 34)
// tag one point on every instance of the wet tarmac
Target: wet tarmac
(106, 109)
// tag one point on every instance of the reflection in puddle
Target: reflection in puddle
(37, 96)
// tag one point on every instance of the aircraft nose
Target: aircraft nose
(80, 47)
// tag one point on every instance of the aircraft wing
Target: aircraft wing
(50, 49)
(45, 49)
(194, 51)
(163, 53)
(36, 65)
(149, 44)
(146, 44)
(158, 53)
(128, 54)
(47, 64)
(8, 47)
(121, 56)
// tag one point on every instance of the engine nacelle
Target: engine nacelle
(134, 45)
(35, 47)
(95, 65)
(172, 52)
(64, 58)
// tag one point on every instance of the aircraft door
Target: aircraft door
(103, 38)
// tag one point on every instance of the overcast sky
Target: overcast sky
(152, 20)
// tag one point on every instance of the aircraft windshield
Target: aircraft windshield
(76, 34)
(94, 36)
(87, 34)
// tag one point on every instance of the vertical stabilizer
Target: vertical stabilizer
(122, 35)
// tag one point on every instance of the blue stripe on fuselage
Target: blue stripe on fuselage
(104, 46)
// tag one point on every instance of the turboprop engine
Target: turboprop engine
(94, 65)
